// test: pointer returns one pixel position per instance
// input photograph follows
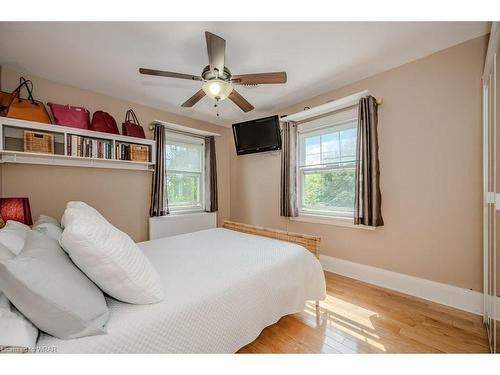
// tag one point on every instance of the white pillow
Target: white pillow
(49, 226)
(13, 236)
(47, 287)
(17, 334)
(5, 253)
(110, 258)
(43, 219)
(75, 210)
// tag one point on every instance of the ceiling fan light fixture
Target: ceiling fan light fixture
(217, 89)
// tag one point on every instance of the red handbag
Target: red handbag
(131, 127)
(103, 122)
(66, 115)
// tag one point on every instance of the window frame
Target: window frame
(320, 130)
(175, 137)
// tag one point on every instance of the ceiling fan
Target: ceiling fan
(217, 78)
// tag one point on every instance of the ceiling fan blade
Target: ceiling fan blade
(194, 99)
(216, 48)
(162, 73)
(259, 78)
(240, 101)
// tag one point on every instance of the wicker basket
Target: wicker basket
(139, 153)
(38, 142)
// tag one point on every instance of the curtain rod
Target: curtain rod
(329, 107)
(181, 128)
(194, 135)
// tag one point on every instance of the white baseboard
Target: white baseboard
(460, 298)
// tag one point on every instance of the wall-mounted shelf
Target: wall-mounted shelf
(12, 147)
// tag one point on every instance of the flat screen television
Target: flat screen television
(257, 135)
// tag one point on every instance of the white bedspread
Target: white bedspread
(222, 288)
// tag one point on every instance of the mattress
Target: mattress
(222, 288)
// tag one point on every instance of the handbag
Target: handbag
(66, 115)
(104, 122)
(131, 127)
(26, 109)
(7, 97)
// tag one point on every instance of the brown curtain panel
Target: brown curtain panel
(367, 199)
(159, 200)
(288, 196)
(211, 204)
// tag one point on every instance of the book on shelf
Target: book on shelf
(122, 151)
(88, 147)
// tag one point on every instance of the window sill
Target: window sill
(330, 220)
(187, 212)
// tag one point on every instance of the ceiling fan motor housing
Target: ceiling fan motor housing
(207, 74)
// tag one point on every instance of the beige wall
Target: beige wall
(122, 196)
(430, 153)
(431, 167)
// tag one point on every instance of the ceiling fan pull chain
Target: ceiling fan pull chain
(217, 106)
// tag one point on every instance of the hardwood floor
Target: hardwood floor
(361, 318)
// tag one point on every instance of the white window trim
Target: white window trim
(316, 216)
(323, 129)
(330, 220)
(193, 139)
(185, 211)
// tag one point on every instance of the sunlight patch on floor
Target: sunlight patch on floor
(352, 320)
(358, 333)
(355, 313)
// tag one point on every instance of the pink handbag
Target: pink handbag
(131, 127)
(66, 115)
(103, 122)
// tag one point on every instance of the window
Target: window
(327, 157)
(185, 172)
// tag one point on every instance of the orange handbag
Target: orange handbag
(26, 109)
(6, 98)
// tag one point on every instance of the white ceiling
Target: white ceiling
(318, 57)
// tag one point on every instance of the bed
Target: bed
(222, 288)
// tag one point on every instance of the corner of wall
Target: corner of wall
(0, 164)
